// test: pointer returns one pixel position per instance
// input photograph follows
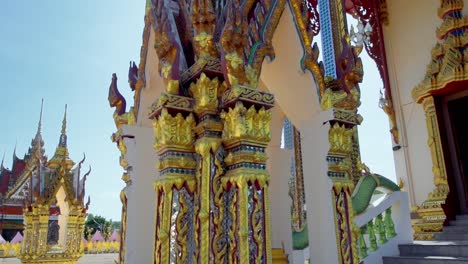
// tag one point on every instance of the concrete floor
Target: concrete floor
(86, 259)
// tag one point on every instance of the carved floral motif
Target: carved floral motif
(173, 130)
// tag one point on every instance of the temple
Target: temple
(242, 141)
(44, 199)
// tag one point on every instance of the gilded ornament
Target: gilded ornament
(205, 93)
(241, 123)
(248, 94)
(340, 139)
(176, 131)
(447, 66)
(330, 98)
(303, 25)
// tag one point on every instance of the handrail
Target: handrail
(382, 227)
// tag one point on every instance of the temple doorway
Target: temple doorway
(455, 125)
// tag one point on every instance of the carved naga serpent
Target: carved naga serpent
(365, 189)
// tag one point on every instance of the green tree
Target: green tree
(96, 222)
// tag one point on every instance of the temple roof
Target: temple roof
(97, 237)
(36, 149)
(17, 239)
(35, 177)
(115, 236)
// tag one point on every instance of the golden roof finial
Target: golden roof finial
(61, 153)
(14, 150)
(39, 126)
(1, 165)
(37, 141)
(63, 136)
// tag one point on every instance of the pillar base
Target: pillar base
(428, 219)
(279, 256)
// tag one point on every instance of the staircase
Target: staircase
(450, 247)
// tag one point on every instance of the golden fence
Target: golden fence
(8, 250)
(100, 247)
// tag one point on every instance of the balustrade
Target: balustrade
(382, 227)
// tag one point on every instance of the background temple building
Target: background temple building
(32, 179)
(259, 161)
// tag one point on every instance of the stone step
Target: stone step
(424, 260)
(459, 223)
(462, 217)
(447, 236)
(435, 248)
(456, 229)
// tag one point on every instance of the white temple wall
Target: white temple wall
(278, 165)
(141, 196)
(154, 84)
(295, 91)
(318, 188)
(409, 38)
(63, 217)
(296, 94)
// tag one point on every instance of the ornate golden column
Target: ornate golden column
(214, 203)
(211, 129)
(246, 134)
(207, 145)
(341, 94)
(173, 124)
(123, 228)
(75, 227)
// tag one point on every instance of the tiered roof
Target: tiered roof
(34, 177)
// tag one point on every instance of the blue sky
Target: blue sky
(66, 52)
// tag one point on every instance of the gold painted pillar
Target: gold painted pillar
(340, 170)
(430, 215)
(209, 211)
(34, 244)
(75, 228)
(343, 72)
(123, 228)
(246, 134)
(173, 124)
(435, 145)
(212, 199)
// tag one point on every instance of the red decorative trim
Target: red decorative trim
(368, 12)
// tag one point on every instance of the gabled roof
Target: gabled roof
(38, 179)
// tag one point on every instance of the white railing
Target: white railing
(382, 226)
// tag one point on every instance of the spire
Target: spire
(63, 136)
(39, 125)
(38, 142)
(3, 159)
(14, 151)
(61, 152)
